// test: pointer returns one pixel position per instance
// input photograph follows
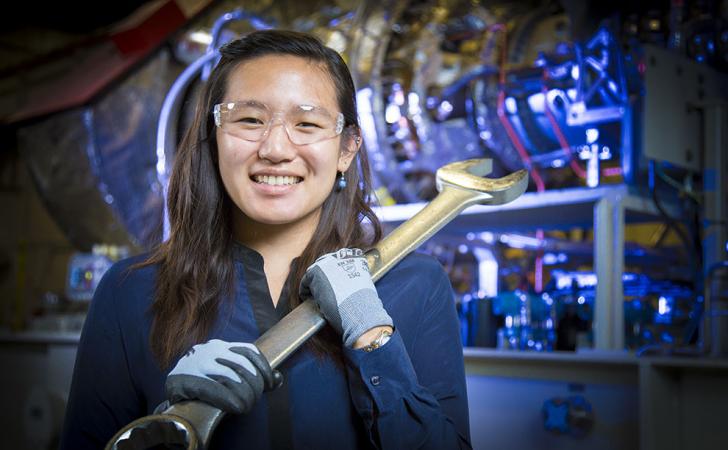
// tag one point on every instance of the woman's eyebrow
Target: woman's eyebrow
(253, 103)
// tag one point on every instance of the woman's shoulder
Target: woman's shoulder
(420, 265)
(130, 271)
(416, 291)
(127, 280)
(417, 271)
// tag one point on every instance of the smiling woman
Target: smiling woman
(268, 199)
(307, 147)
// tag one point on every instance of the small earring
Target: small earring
(341, 182)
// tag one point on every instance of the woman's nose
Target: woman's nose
(276, 146)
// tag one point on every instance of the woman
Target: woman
(270, 177)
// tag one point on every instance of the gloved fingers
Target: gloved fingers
(342, 253)
(349, 253)
(251, 353)
(243, 394)
(252, 378)
(200, 360)
(208, 390)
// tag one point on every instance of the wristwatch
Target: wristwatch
(381, 339)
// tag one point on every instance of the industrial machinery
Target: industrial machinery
(578, 102)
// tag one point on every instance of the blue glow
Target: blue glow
(369, 131)
(444, 109)
(511, 105)
(556, 163)
(575, 72)
(413, 103)
(605, 153)
(519, 241)
(487, 237)
(584, 152)
(663, 306)
(583, 279)
(462, 248)
(536, 102)
(581, 300)
(592, 168)
(392, 113)
(547, 298)
(612, 86)
(592, 134)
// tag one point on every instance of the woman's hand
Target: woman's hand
(228, 375)
(342, 287)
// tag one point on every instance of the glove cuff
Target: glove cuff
(363, 311)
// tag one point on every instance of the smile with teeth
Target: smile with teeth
(277, 180)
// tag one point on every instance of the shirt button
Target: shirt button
(375, 380)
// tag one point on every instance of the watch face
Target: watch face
(381, 339)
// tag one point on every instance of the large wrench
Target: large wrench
(190, 424)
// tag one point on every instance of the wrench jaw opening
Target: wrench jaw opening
(470, 175)
(166, 430)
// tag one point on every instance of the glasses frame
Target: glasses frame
(217, 115)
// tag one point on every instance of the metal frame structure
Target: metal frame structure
(607, 208)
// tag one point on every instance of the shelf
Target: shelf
(606, 209)
(553, 209)
(40, 337)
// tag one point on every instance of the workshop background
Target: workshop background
(594, 309)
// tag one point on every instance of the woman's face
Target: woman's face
(250, 170)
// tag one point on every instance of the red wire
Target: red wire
(521, 149)
(581, 173)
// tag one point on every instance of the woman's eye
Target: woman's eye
(309, 125)
(250, 121)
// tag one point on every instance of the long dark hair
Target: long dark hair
(195, 265)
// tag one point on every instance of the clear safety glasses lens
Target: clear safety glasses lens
(304, 124)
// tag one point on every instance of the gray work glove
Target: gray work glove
(342, 287)
(228, 375)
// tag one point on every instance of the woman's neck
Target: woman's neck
(278, 244)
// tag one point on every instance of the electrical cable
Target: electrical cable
(693, 262)
(538, 181)
(671, 221)
(676, 184)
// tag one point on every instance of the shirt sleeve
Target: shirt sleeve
(415, 400)
(102, 398)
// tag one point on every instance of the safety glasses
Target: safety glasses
(252, 121)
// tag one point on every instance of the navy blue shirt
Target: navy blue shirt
(408, 394)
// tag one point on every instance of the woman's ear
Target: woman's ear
(348, 151)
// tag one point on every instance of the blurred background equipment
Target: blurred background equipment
(609, 274)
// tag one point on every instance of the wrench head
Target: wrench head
(471, 174)
(156, 431)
